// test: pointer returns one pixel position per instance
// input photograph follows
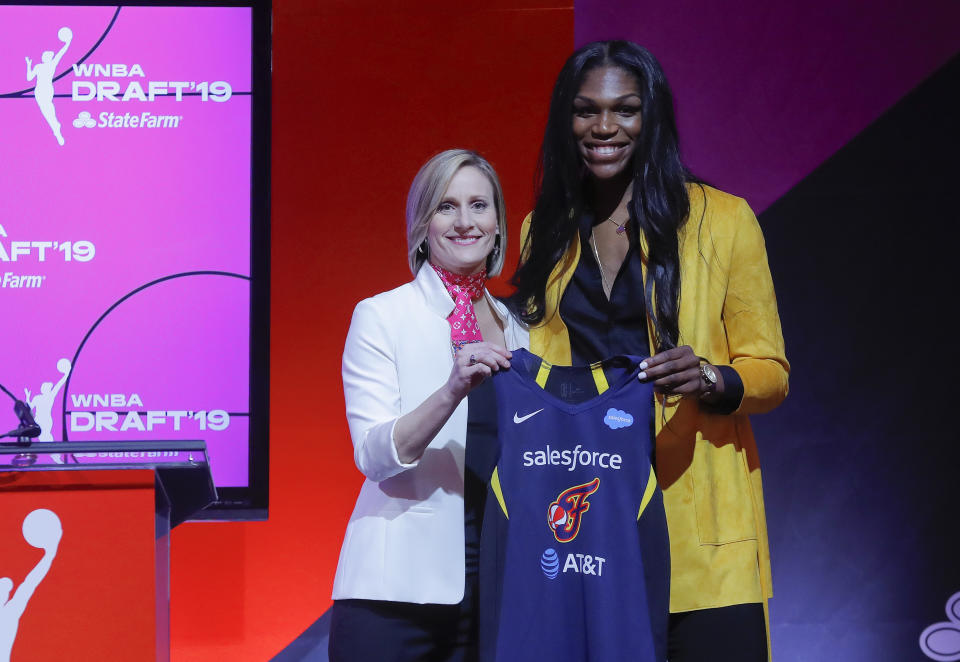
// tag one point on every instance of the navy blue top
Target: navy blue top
(482, 450)
(600, 328)
(574, 555)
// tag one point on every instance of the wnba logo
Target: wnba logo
(941, 641)
(41, 529)
(564, 514)
(44, 72)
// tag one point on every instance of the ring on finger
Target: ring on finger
(473, 360)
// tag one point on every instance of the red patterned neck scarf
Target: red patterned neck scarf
(464, 328)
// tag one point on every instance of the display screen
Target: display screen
(134, 229)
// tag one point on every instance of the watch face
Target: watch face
(709, 374)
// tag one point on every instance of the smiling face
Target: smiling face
(607, 120)
(463, 228)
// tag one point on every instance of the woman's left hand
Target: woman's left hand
(675, 372)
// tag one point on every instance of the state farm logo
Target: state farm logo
(84, 121)
(143, 120)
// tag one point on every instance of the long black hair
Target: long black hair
(660, 204)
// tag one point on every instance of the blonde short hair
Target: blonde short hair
(426, 193)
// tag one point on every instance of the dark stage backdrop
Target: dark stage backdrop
(819, 115)
(767, 91)
(862, 469)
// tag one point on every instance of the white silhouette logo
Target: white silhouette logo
(44, 72)
(520, 419)
(941, 641)
(41, 529)
(84, 120)
(42, 405)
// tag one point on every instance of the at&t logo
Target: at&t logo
(582, 564)
(550, 563)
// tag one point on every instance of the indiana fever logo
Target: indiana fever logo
(564, 514)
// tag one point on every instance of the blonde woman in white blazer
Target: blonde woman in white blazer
(411, 357)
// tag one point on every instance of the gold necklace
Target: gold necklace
(596, 254)
(621, 227)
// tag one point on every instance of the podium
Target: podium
(85, 546)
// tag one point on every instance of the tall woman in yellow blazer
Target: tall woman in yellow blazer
(627, 252)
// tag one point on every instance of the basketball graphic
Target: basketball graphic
(41, 528)
(557, 516)
(565, 514)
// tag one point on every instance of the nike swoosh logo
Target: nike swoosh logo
(521, 419)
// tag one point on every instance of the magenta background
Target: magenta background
(154, 202)
(193, 326)
(28, 31)
(192, 43)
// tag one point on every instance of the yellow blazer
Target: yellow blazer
(707, 464)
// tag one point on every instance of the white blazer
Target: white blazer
(404, 541)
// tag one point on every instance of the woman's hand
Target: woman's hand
(677, 372)
(474, 363)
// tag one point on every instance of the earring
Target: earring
(422, 248)
(495, 253)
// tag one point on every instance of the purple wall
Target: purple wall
(767, 92)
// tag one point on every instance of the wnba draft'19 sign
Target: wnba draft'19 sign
(125, 223)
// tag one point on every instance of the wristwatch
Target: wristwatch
(709, 376)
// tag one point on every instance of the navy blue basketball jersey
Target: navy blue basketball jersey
(574, 555)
